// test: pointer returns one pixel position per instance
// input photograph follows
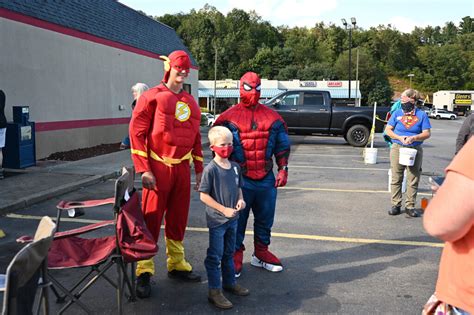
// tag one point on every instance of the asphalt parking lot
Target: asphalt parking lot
(341, 251)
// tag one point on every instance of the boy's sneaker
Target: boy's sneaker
(143, 289)
(265, 259)
(218, 299)
(238, 260)
(237, 289)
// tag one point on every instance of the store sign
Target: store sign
(227, 84)
(334, 83)
(462, 99)
(308, 84)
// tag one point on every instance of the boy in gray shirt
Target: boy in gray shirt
(220, 191)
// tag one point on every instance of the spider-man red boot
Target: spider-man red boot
(263, 258)
(238, 260)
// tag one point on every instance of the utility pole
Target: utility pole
(411, 75)
(350, 27)
(215, 79)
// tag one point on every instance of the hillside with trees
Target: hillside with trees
(439, 57)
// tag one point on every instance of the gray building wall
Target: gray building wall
(64, 78)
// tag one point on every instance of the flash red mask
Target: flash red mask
(223, 152)
(249, 89)
(179, 60)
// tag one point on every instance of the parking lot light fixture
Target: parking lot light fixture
(350, 28)
(411, 75)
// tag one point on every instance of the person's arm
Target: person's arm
(282, 153)
(425, 134)
(450, 214)
(212, 203)
(241, 202)
(198, 160)
(142, 118)
(463, 134)
(389, 131)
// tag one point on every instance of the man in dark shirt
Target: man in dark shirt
(3, 129)
(465, 133)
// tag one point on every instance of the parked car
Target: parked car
(308, 112)
(210, 118)
(439, 113)
(427, 110)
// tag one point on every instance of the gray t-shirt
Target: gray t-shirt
(222, 185)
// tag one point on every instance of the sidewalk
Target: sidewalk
(51, 179)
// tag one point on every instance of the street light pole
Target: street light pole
(350, 27)
(215, 81)
(350, 59)
(411, 75)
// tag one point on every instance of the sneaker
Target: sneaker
(218, 299)
(395, 210)
(265, 259)
(238, 260)
(237, 289)
(268, 266)
(143, 289)
(412, 213)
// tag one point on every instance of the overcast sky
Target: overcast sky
(402, 14)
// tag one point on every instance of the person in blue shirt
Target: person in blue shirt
(408, 127)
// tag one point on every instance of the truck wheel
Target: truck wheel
(357, 135)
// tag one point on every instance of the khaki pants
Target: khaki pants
(413, 177)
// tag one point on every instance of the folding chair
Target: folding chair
(131, 242)
(27, 273)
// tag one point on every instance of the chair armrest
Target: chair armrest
(25, 239)
(83, 229)
(68, 205)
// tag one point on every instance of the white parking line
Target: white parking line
(339, 168)
(333, 155)
(346, 190)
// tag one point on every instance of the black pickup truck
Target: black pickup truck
(308, 112)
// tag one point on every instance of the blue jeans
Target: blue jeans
(262, 202)
(220, 255)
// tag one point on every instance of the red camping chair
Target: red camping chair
(26, 275)
(131, 242)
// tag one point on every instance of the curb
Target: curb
(54, 192)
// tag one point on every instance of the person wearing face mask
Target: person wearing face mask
(260, 134)
(165, 138)
(408, 127)
(222, 194)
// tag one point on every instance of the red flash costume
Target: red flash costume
(165, 138)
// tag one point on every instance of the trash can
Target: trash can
(20, 147)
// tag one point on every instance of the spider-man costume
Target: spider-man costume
(259, 135)
(165, 138)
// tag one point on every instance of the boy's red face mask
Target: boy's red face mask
(178, 60)
(249, 89)
(223, 152)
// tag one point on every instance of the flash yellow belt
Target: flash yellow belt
(168, 161)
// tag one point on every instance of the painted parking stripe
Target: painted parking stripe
(333, 155)
(345, 190)
(338, 168)
(274, 234)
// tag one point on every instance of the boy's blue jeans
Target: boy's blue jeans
(219, 259)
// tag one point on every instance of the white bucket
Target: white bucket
(370, 156)
(407, 156)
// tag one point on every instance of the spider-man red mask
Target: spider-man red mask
(249, 89)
